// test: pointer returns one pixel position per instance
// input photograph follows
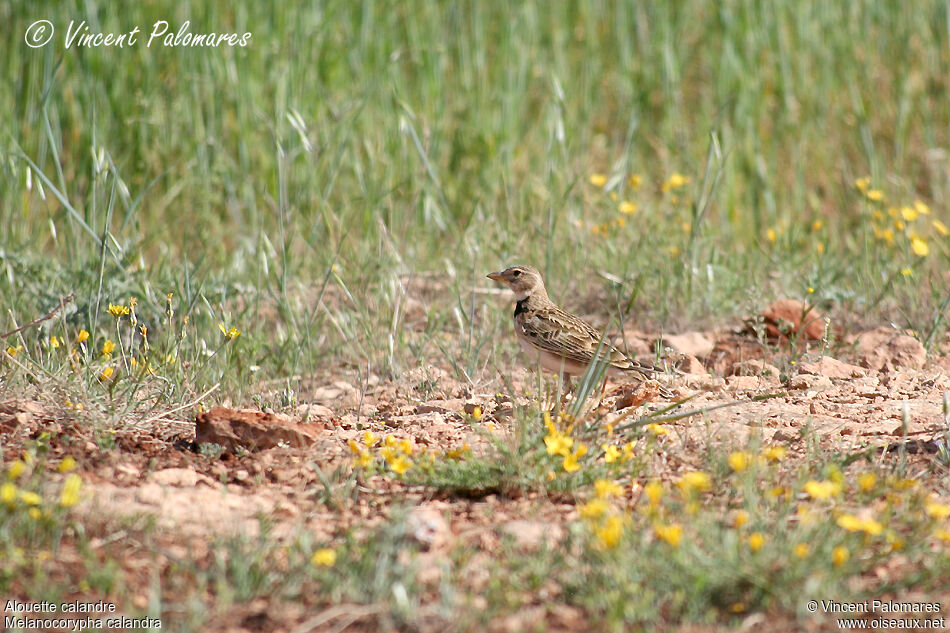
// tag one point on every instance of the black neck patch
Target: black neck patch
(521, 307)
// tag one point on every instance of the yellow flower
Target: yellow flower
(611, 453)
(70, 493)
(921, 207)
(654, 492)
(936, 510)
(570, 463)
(941, 227)
(741, 518)
(771, 236)
(325, 557)
(899, 225)
(604, 488)
(907, 272)
(942, 535)
(400, 464)
(919, 246)
(672, 534)
(627, 452)
(67, 464)
(801, 550)
(405, 445)
(840, 555)
(54, 342)
(119, 310)
(477, 413)
(628, 207)
(35, 513)
(8, 493)
(108, 347)
(457, 453)
(822, 489)
(364, 459)
(695, 481)
(817, 225)
(635, 181)
(756, 541)
(388, 453)
(229, 333)
(862, 184)
(598, 180)
(390, 440)
(106, 374)
(657, 429)
(675, 181)
(909, 213)
(874, 195)
(354, 447)
(13, 351)
(884, 234)
(16, 469)
(775, 453)
(608, 534)
(82, 336)
(369, 439)
(739, 461)
(558, 444)
(867, 481)
(593, 509)
(30, 498)
(852, 523)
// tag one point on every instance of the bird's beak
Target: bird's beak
(496, 276)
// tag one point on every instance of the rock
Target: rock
(754, 368)
(252, 430)
(832, 368)
(440, 406)
(689, 364)
(888, 348)
(340, 391)
(809, 382)
(186, 477)
(427, 527)
(742, 383)
(313, 412)
(787, 317)
(637, 395)
(691, 343)
(531, 534)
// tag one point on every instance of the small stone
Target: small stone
(691, 343)
(787, 318)
(428, 528)
(252, 430)
(885, 347)
(809, 382)
(754, 368)
(742, 383)
(832, 368)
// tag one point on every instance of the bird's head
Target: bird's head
(524, 281)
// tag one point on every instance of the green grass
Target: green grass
(392, 141)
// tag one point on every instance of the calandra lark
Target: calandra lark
(562, 342)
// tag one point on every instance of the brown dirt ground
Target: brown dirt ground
(192, 498)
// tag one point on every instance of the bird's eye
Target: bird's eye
(517, 273)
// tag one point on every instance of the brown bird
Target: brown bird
(561, 342)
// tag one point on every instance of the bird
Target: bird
(562, 343)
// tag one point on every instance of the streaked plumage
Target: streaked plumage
(562, 342)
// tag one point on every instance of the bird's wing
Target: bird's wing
(563, 334)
